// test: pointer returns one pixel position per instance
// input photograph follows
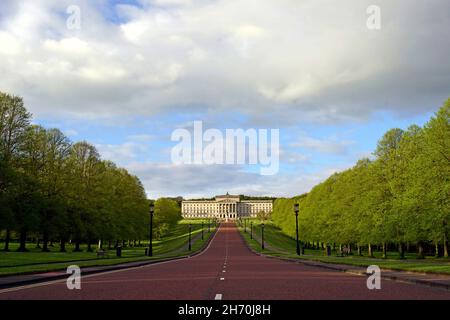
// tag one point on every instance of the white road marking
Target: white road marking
(218, 296)
(222, 279)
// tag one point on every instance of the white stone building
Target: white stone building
(224, 208)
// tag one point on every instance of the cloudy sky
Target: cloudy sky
(135, 71)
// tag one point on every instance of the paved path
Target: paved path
(227, 270)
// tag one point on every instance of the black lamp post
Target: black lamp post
(296, 227)
(245, 225)
(150, 246)
(262, 236)
(202, 230)
(251, 229)
(209, 225)
(190, 229)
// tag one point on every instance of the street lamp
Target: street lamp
(262, 236)
(150, 247)
(296, 227)
(209, 225)
(190, 229)
(245, 225)
(251, 229)
(202, 230)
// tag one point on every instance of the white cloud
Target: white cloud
(192, 181)
(10, 45)
(330, 146)
(122, 154)
(71, 133)
(285, 60)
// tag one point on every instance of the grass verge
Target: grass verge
(172, 245)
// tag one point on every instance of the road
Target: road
(226, 270)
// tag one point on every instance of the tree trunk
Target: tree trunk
(89, 248)
(436, 248)
(383, 249)
(7, 239)
(369, 251)
(62, 247)
(420, 254)
(77, 246)
(23, 242)
(401, 251)
(109, 244)
(359, 250)
(38, 243)
(45, 242)
(445, 246)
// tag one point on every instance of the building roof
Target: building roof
(227, 196)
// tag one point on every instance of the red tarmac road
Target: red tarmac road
(227, 269)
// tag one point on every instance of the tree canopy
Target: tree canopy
(60, 190)
(400, 196)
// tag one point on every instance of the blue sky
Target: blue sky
(135, 71)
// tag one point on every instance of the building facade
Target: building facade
(226, 207)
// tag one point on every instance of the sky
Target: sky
(132, 72)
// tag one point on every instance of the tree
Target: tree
(263, 215)
(167, 214)
(84, 169)
(437, 174)
(14, 121)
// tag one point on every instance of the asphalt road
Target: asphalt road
(226, 270)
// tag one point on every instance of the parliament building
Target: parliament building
(225, 207)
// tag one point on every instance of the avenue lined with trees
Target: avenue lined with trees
(399, 200)
(54, 190)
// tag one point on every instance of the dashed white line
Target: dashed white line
(222, 279)
(218, 296)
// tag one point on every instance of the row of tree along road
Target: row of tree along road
(52, 189)
(398, 199)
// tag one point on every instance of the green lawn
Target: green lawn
(172, 245)
(279, 244)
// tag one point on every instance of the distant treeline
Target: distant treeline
(55, 190)
(400, 198)
(243, 197)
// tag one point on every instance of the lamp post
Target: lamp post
(190, 229)
(150, 246)
(262, 236)
(202, 230)
(209, 225)
(245, 225)
(251, 229)
(296, 227)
